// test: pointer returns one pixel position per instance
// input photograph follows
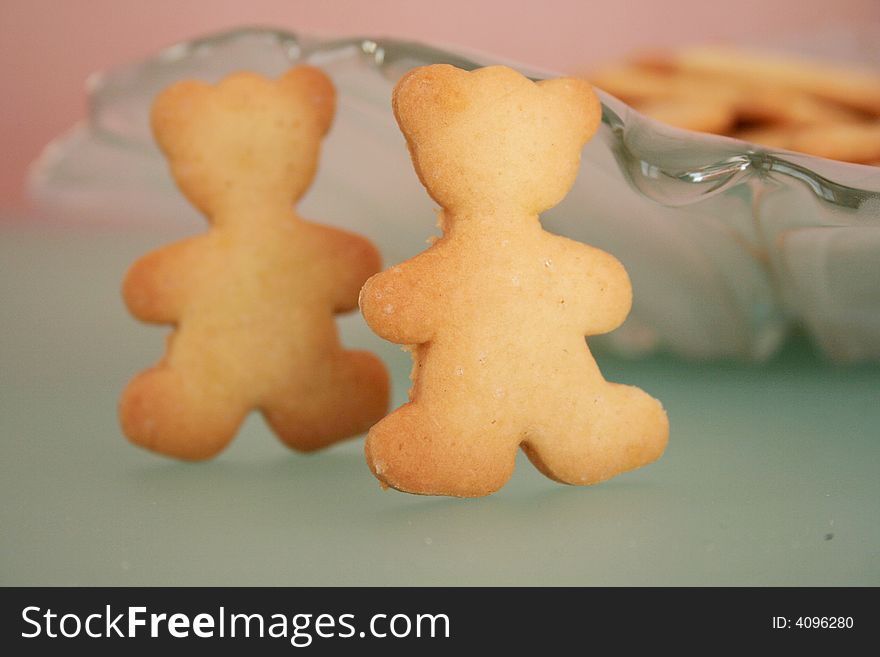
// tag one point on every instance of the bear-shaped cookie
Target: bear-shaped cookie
(253, 299)
(496, 311)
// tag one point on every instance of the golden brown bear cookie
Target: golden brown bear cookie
(771, 99)
(253, 299)
(496, 311)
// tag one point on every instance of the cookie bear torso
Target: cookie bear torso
(240, 292)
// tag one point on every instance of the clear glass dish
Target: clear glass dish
(729, 245)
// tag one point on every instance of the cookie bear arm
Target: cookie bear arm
(402, 303)
(602, 286)
(157, 285)
(353, 259)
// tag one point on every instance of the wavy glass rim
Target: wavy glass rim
(645, 170)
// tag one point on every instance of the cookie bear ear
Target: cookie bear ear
(580, 102)
(314, 85)
(426, 96)
(173, 110)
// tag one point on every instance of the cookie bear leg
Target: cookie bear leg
(418, 451)
(345, 403)
(174, 413)
(619, 429)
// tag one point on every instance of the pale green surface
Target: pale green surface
(764, 464)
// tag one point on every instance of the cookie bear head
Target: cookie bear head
(492, 141)
(246, 138)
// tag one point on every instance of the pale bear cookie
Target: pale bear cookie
(253, 299)
(496, 311)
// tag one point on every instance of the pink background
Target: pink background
(49, 47)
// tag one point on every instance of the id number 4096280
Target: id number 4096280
(814, 623)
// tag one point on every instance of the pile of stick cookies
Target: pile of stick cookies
(774, 100)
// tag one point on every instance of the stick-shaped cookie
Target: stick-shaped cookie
(497, 309)
(253, 299)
